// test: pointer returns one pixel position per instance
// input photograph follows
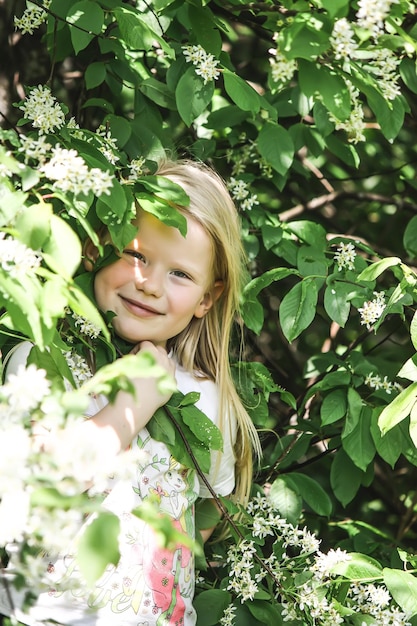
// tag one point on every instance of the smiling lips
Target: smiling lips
(139, 309)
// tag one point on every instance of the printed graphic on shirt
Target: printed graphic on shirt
(151, 586)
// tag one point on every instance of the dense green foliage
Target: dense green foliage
(313, 129)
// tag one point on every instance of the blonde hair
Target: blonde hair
(204, 345)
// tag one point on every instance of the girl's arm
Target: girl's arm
(118, 423)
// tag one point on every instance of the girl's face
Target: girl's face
(161, 281)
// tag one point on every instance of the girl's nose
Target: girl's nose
(149, 281)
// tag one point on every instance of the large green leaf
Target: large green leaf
(345, 477)
(192, 96)
(98, 546)
(359, 444)
(210, 605)
(358, 567)
(298, 308)
(403, 588)
(311, 492)
(87, 19)
(398, 409)
(286, 500)
(276, 146)
(334, 406)
(242, 94)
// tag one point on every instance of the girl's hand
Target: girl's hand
(146, 388)
(118, 423)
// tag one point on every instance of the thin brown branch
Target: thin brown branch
(362, 196)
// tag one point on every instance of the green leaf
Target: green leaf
(410, 237)
(311, 260)
(311, 491)
(408, 73)
(242, 94)
(253, 315)
(334, 407)
(345, 477)
(62, 250)
(165, 188)
(309, 233)
(98, 546)
(204, 29)
(202, 427)
(265, 611)
(33, 225)
(276, 146)
(210, 606)
(163, 211)
(335, 8)
(320, 82)
(359, 443)
(87, 19)
(256, 285)
(403, 588)
(298, 308)
(413, 330)
(95, 74)
(373, 271)
(398, 409)
(159, 93)
(136, 33)
(358, 567)
(192, 96)
(337, 301)
(286, 500)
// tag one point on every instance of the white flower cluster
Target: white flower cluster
(342, 40)
(345, 256)
(374, 381)
(354, 125)
(304, 576)
(205, 63)
(372, 14)
(247, 154)
(136, 167)
(384, 66)
(109, 148)
(86, 327)
(16, 258)
(33, 16)
(42, 109)
(37, 149)
(78, 366)
(229, 614)
(70, 173)
(282, 69)
(372, 310)
(240, 192)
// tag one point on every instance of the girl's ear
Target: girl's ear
(90, 254)
(209, 299)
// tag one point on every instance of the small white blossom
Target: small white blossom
(37, 149)
(78, 366)
(345, 256)
(342, 40)
(282, 69)
(33, 16)
(86, 327)
(15, 453)
(372, 310)
(205, 63)
(16, 258)
(25, 390)
(70, 173)
(136, 168)
(228, 618)
(372, 14)
(43, 110)
(14, 515)
(374, 381)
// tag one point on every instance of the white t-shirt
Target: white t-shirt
(151, 586)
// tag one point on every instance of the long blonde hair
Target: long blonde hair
(205, 344)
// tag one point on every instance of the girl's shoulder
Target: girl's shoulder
(18, 355)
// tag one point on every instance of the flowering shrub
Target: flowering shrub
(330, 88)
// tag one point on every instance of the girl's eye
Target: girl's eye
(180, 274)
(133, 256)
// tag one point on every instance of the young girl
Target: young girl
(177, 297)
